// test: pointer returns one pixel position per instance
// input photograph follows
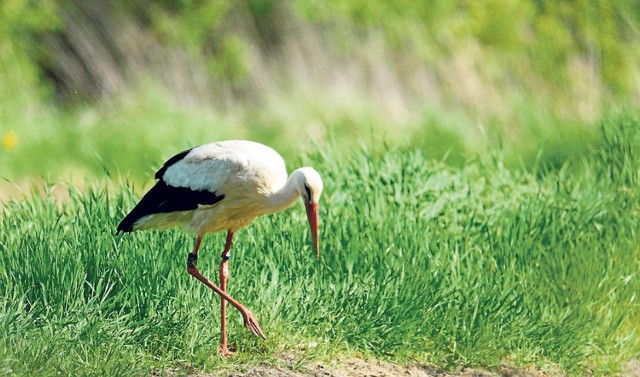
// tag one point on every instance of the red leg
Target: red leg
(249, 319)
(224, 277)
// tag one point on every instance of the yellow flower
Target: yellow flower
(9, 140)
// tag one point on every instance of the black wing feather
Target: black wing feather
(163, 198)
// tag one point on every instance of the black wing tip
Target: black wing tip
(122, 229)
(126, 225)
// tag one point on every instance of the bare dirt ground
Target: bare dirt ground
(376, 368)
(632, 369)
(372, 368)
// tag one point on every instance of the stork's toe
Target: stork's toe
(252, 323)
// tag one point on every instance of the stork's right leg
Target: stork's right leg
(249, 320)
(224, 277)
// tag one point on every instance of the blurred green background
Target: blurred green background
(118, 86)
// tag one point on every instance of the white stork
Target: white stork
(224, 186)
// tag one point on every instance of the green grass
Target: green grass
(471, 266)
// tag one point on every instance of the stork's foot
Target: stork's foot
(225, 352)
(252, 323)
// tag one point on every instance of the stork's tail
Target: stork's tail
(126, 225)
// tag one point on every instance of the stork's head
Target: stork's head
(310, 188)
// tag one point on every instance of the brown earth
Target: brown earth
(377, 368)
(371, 368)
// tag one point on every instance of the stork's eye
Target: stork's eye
(308, 190)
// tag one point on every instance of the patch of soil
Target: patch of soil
(632, 369)
(375, 368)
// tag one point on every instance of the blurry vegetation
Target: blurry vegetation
(95, 84)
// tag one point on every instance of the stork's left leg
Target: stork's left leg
(249, 319)
(224, 277)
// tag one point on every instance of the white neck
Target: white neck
(287, 195)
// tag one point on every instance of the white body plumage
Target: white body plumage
(250, 178)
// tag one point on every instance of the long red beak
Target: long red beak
(312, 215)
